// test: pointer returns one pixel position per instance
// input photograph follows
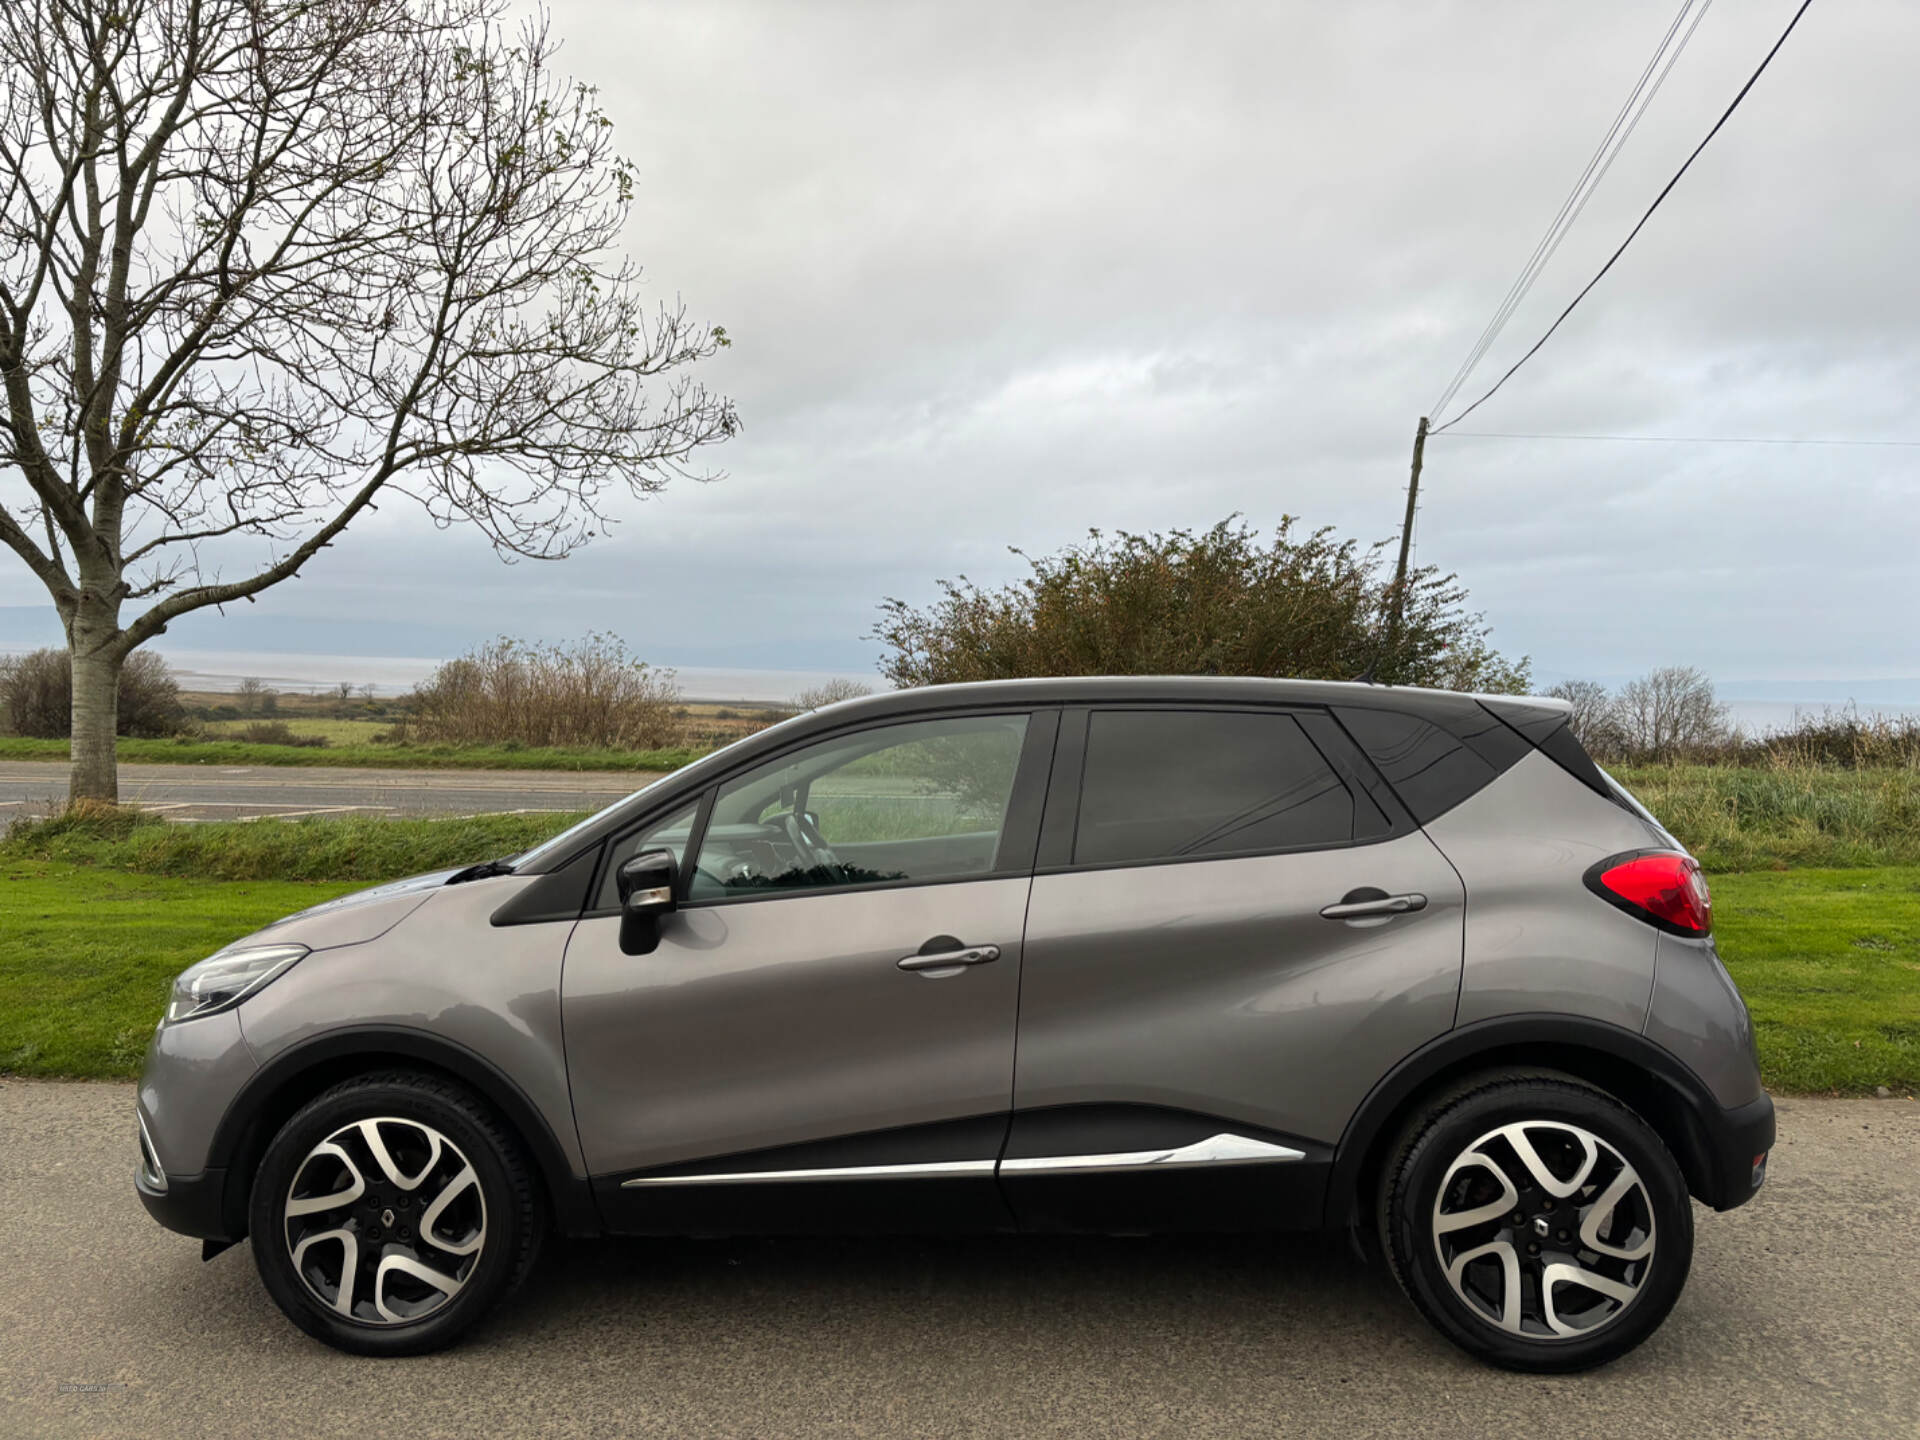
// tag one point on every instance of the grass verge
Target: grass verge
(87, 955)
(347, 847)
(371, 757)
(1829, 961)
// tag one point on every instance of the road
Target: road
(223, 792)
(1799, 1320)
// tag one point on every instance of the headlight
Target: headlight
(227, 978)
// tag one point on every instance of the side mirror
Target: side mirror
(646, 884)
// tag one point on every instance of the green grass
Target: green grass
(375, 757)
(87, 955)
(1798, 816)
(358, 848)
(1829, 961)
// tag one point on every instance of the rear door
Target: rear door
(824, 1037)
(1234, 931)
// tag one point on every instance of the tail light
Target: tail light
(1663, 887)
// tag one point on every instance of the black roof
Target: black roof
(1163, 689)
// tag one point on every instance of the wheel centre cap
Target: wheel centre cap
(386, 1218)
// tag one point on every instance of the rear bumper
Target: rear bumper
(1737, 1142)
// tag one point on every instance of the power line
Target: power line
(1598, 164)
(1680, 439)
(1657, 200)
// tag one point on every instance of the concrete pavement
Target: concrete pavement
(242, 792)
(1799, 1321)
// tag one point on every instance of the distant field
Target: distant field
(334, 732)
(356, 721)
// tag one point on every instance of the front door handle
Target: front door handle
(952, 959)
(1375, 905)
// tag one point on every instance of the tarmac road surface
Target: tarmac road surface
(1800, 1320)
(237, 792)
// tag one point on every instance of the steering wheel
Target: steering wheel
(807, 841)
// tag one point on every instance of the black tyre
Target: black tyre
(391, 1213)
(1537, 1223)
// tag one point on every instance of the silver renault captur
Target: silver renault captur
(1047, 955)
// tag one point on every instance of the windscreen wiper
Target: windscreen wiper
(485, 870)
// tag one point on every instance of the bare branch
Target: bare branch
(260, 264)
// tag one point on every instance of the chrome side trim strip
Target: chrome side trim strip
(1221, 1149)
(930, 1170)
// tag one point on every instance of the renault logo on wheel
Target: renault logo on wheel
(1540, 1226)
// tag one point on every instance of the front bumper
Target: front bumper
(194, 1205)
(1735, 1147)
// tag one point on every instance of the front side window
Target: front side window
(1174, 784)
(922, 801)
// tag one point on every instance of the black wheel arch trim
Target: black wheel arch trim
(238, 1139)
(1713, 1145)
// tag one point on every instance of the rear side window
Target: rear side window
(1173, 784)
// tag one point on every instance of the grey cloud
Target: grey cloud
(1001, 272)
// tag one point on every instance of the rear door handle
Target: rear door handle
(1375, 906)
(952, 959)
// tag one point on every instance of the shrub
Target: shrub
(831, 693)
(593, 693)
(1673, 715)
(1224, 602)
(36, 696)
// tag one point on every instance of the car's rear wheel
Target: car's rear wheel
(1537, 1222)
(391, 1213)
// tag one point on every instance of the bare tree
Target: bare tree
(262, 264)
(1669, 712)
(248, 692)
(830, 692)
(1594, 722)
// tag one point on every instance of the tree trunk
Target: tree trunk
(95, 771)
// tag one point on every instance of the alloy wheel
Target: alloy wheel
(385, 1220)
(1544, 1230)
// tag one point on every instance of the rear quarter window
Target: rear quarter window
(1430, 770)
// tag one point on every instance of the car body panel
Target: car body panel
(1698, 1017)
(357, 918)
(1536, 938)
(494, 990)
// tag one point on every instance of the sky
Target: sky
(1000, 273)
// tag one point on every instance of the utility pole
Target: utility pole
(1406, 539)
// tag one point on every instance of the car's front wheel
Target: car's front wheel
(390, 1213)
(1538, 1223)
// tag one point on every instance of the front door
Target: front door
(824, 1037)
